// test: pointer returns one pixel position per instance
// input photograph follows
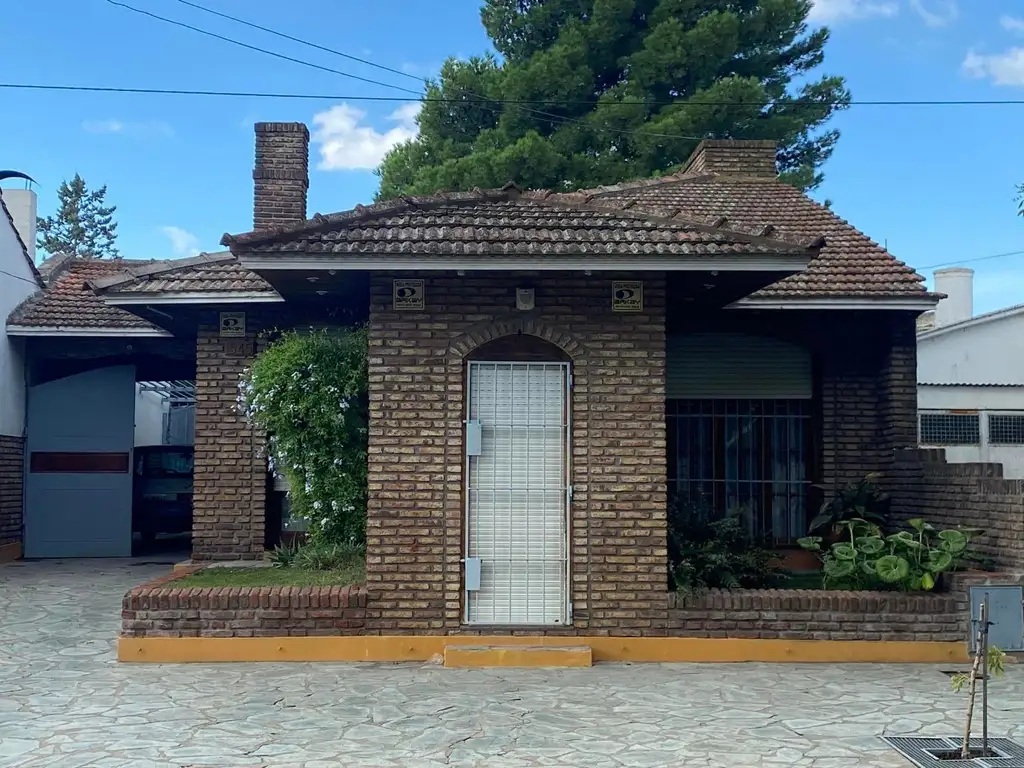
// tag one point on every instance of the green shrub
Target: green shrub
(325, 556)
(863, 500)
(708, 551)
(909, 560)
(308, 393)
(284, 555)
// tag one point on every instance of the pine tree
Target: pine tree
(628, 88)
(82, 225)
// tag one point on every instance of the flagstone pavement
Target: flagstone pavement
(66, 702)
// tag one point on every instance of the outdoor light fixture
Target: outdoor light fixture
(525, 299)
(313, 279)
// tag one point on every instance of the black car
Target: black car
(162, 501)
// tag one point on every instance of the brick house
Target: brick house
(547, 370)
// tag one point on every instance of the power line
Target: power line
(971, 261)
(266, 51)
(18, 277)
(284, 36)
(393, 99)
(488, 103)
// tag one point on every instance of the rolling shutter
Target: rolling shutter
(517, 493)
(707, 366)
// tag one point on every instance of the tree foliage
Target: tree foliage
(82, 225)
(633, 85)
(307, 392)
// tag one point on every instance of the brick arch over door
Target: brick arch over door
(478, 336)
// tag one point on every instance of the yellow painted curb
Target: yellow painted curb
(10, 552)
(476, 656)
(421, 648)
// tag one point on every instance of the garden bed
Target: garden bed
(353, 573)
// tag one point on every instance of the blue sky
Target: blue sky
(934, 183)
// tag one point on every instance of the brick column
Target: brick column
(898, 385)
(12, 474)
(229, 494)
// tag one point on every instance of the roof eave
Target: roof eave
(782, 263)
(99, 331)
(192, 297)
(919, 303)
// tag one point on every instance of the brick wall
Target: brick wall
(416, 510)
(819, 615)
(159, 609)
(12, 472)
(230, 480)
(730, 156)
(281, 174)
(923, 484)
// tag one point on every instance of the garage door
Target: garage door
(78, 490)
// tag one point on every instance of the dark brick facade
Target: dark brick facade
(281, 174)
(230, 480)
(12, 472)
(818, 615)
(415, 520)
(159, 609)
(948, 495)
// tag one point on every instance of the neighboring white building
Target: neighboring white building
(18, 280)
(970, 377)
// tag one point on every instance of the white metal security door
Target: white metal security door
(517, 493)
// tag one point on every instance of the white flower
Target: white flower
(317, 504)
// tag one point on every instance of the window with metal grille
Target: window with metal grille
(1006, 428)
(743, 453)
(939, 428)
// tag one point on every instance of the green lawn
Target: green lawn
(354, 573)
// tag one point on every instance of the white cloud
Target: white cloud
(936, 13)
(156, 129)
(183, 242)
(348, 143)
(828, 11)
(1012, 23)
(1005, 68)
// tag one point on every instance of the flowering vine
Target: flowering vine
(307, 392)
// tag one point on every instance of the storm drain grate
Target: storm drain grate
(922, 752)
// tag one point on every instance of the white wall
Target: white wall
(12, 292)
(980, 353)
(983, 401)
(150, 408)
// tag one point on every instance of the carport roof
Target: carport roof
(69, 306)
(215, 277)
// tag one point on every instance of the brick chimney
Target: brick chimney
(736, 157)
(281, 175)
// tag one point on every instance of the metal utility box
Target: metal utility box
(1005, 612)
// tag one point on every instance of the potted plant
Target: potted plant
(863, 500)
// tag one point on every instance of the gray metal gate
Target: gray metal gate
(78, 482)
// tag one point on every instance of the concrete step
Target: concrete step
(466, 656)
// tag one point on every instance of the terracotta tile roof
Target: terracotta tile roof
(850, 263)
(70, 302)
(508, 222)
(206, 273)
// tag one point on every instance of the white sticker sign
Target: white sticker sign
(232, 325)
(408, 294)
(627, 296)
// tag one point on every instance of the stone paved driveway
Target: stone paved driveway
(65, 702)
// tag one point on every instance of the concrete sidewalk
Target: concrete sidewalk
(65, 702)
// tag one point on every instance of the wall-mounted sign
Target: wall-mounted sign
(232, 325)
(408, 294)
(525, 299)
(627, 296)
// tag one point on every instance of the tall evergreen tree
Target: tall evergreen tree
(82, 225)
(629, 88)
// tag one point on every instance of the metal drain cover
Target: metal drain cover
(922, 752)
